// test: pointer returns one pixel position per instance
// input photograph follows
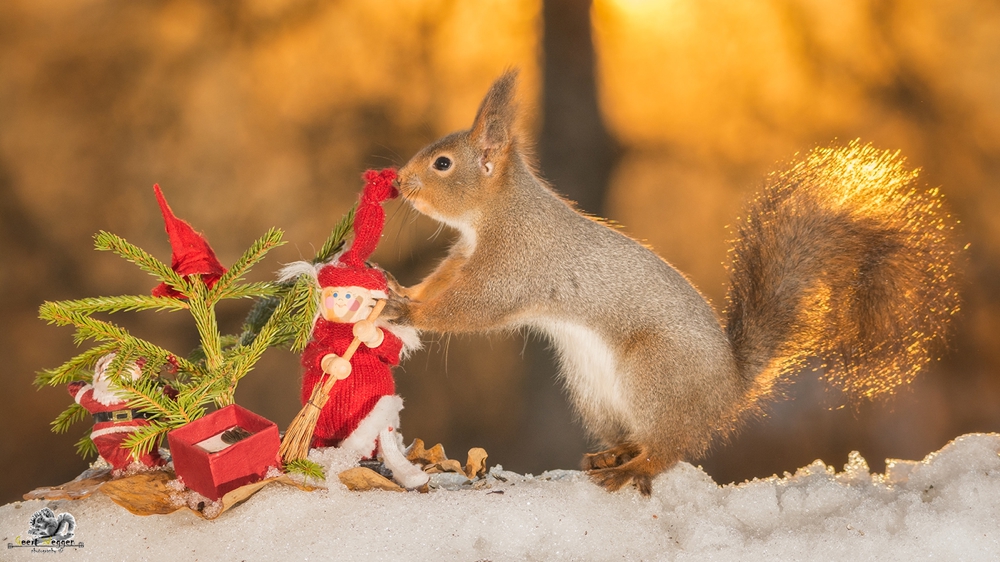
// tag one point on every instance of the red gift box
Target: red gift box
(213, 474)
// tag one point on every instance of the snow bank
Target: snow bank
(946, 507)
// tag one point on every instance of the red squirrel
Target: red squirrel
(838, 258)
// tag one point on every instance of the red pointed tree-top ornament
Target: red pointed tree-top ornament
(191, 253)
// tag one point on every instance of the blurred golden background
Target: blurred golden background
(662, 115)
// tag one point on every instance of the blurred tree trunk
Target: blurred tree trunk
(577, 155)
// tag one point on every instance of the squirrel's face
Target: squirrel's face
(448, 180)
(456, 179)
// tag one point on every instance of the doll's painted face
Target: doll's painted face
(346, 304)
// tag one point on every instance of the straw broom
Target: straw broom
(295, 444)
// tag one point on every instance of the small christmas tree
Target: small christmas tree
(282, 316)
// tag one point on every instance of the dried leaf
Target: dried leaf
(359, 479)
(142, 494)
(447, 465)
(419, 454)
(79, 488)
(476, 465)
(237, 496)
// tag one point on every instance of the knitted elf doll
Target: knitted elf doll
(362, 413)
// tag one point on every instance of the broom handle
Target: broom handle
(372, 316)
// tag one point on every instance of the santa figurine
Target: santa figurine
(114, 421)
(362, 413)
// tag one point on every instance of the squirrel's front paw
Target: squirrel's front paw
(398, 309)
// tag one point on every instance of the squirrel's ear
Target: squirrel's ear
(493, 129)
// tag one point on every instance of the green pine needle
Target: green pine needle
(253, 255)
(306, 468)
(249, 290)
(208, 327)
(146, 438)
(85, 447)
(78, 368)
(71, 415)
(105, 241)
(118, 304)
(335, 241)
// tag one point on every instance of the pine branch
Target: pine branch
(99, 330)
(264, 308)
(244, 357)
(147, 396)
(306, 468)
(307, 303)
(191, 406)
(253, 255)
(146, 438)
(228, 341)
(335, 241)
(258, 316)
(93, 305)
(85, 447)
(78, 368)
(74, 413)
(119, 371)
(208, 327)
(105, 241)
(206, 388)
(250, 290)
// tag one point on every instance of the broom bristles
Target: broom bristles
(298, 436)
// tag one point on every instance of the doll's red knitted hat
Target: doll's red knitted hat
(350, 269)
(191, 254)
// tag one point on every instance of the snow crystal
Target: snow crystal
(946, 507)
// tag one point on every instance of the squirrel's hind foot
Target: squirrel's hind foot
(610, 458)
(622, 464)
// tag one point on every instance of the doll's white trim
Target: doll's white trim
(404, 472)
(385, 414)
(406, 334)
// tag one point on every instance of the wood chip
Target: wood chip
(74, 490)
(419, 454)
(476, 465)
(447, 465)
(142, 494)
(359, 479)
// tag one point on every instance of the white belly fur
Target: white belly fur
(590, 371)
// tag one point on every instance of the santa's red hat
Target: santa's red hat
(191, 254)
(350, 269)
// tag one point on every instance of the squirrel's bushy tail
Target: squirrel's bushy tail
(841, 258)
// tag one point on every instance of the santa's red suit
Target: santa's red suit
(114, 422)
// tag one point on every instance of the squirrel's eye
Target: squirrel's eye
(442, 163)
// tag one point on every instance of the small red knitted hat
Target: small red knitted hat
(350, 269)
(191, 254)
